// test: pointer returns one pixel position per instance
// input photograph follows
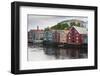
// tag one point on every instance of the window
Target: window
(69, 41)
(73, 41)
(69, 34)
(76, 34)
(77, 41)
(75, 31)
(73, 38)
(77, 38)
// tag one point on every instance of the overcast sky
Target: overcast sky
(43, 21)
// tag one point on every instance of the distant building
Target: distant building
(48, 36)
(76, 21)
(77, 35)
(30, 36)
(35, 35)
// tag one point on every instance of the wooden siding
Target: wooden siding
(74, 37)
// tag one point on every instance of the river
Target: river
(40, 53)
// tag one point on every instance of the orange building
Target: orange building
(63, 36)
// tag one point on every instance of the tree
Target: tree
(60, 26)
(72, 24)
(78, 24)
(47, 29)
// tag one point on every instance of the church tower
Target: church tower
(37, 28)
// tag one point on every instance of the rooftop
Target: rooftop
(81, 30)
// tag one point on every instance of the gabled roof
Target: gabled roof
(81, 30)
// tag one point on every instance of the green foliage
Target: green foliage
(78, 24)
(74, 24)
(60, 26)
(47, 29)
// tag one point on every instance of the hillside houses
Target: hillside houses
(75, 22)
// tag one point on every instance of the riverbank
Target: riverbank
(64, 45)
(60, 45)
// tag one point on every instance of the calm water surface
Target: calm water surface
(40, 53)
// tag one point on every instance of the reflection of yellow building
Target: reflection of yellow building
(63, 36)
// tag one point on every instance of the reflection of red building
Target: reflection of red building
(76, 35)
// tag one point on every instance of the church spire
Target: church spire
(37, 27)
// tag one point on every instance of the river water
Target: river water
(41, 53)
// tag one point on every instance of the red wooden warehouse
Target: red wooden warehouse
(77, 35)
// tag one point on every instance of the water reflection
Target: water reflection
(40, 53)
(68, 53)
